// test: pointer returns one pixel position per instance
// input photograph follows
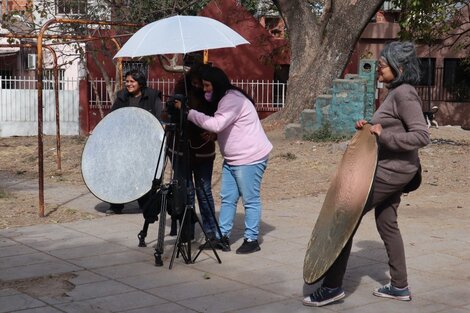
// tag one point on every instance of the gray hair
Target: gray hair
(402, 59)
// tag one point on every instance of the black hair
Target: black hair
(220, 83)
(138, 76)
(402, 59)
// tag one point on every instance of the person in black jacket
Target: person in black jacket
(201, 148)
(136, 94)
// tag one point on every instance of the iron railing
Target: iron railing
(268, 95)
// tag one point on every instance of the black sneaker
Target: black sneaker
(248, 247)
(323, 296)
(223, 244)
(388, 291)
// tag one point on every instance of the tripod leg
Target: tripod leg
(161, 233)
(143, 234)
(208, 241)
(178, 244)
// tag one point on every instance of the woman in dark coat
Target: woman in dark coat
(136, 94)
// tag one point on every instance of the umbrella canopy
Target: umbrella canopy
(180, 34)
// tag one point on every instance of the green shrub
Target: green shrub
(324, 134)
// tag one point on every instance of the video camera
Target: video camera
(176, 114)
(171, 102)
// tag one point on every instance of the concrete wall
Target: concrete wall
(352, 99)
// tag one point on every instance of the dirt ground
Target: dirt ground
(296, 168)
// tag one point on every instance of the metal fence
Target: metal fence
(268, 95)
(19, 106)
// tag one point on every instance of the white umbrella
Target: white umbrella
(180, 34)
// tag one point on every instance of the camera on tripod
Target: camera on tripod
(173, 111)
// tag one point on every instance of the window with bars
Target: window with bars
(427, 68)
(457, 78)
(71, 7)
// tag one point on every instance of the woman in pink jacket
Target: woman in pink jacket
(245, 148)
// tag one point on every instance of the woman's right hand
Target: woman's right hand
(360, 124)
(177, 104)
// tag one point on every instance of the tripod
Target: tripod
(172, 197)
(208, 241)
(189, 217)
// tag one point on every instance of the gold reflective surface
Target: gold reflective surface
(343, 204)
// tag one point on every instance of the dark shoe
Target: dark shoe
(223, 244)
(323, 296)
(248, 247)
(207, 244)
(114, 209)
(388, 291)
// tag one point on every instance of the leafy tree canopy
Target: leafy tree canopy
(434, 21)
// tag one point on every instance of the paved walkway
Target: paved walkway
(96, 266)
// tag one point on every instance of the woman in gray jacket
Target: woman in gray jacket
(401, 130)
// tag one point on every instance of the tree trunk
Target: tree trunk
(321, 46)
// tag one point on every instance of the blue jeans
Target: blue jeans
(202, 173)
(241, 181)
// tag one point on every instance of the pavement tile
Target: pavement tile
(25, 259)
(356, 260)
(100, 247)
(457, 295)
(394, 306)
(126, 270)
(80, 307)
(37, 270)
(97, 261)
(370, 250)
(357, 295)
(459, 272)
(163, 308)
(126, 301)
(14, 302)
(73, 239)
(162, 278)
(376, 273)
(195, 289)
(422, 282)
(4, 242)
(455, 310)
(269, 275)
(43, 309)
(458, 248)
(30, 231)
(8, 292)
(14, 250)
(232, 300)
(432, 262)
(293, 288)
(107, 225)
(86, 277)
(291, 305)
(90, 291)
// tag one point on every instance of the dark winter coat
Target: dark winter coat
(150, 100)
